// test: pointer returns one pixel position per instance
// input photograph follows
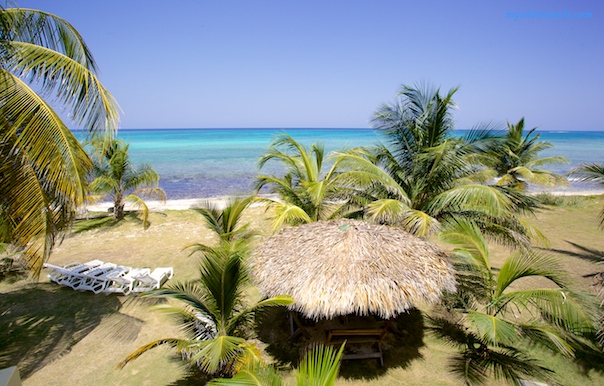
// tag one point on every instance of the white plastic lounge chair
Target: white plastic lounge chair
(97, 281)
(80, 279)
(123, 283)
(56, 276)
(153, 280)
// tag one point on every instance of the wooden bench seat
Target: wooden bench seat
(359, 336)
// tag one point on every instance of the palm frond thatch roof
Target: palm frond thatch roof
(341, 267)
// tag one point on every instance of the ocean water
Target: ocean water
(196, 163)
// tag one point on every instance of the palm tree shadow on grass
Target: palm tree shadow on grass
(107, 223)
(41, 323)
(399, 348)
(194, 377)
(584, 253)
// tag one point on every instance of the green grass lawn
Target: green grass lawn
(57, 336)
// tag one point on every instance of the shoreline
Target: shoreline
(190, 203)
(175, 204)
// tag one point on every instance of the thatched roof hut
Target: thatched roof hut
(341, 267)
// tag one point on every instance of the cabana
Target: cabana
(343, 267)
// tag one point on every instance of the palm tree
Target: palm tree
(491, 314)
(226, 222)
(426, 175)
(213, 313)
(515, 159)
(43, 168)
(319, 367)
(118, 179)
(306, 193)
(594, 173)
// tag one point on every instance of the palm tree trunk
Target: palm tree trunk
(118, 210)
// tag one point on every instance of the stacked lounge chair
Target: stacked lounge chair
(97, 276)
(153, 280)
(124, 283)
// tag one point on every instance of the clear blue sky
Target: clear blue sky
(330, 64)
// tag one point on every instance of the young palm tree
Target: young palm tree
(515, 159)
(594, 173)
(426, 175)
(226, 224)
(319, 367)
(117, 178)
(306, 193)
(491, 315)
(212, 313)
(43, 168)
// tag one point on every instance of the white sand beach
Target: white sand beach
(190, 203)
(183, 204)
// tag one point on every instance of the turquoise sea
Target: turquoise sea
(196, 163)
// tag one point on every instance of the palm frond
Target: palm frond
(44, 167)
(547, 337)
(488, 198)
(560, 307)
(217, 353)
(282, 300)
(525, 264)
(189, 293)
(175, 343)
(144, 175)
(253, 375)
(467, 236)
(140, 204)
(286, 213)
(492, 329)
(473, 366)
(320, 366)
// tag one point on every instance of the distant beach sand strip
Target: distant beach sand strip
(221, 201)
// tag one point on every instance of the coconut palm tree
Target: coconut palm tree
(116, 177)
(491, 314)
(319, 367)
(306, 193)
(593, 173)
(515, 159)
(43, 168)
(425, 174)
(213, 313)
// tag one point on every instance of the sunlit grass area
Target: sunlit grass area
(57, 336)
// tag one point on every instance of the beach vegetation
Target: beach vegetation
(515, 159)
(592, 173)
(491, 320)
(319, 367)
(213, 314)
(225, 222)
(115, 177)
(550, 199)
(57, 336)
(306, 192)
(43, 173)
(425, 174)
